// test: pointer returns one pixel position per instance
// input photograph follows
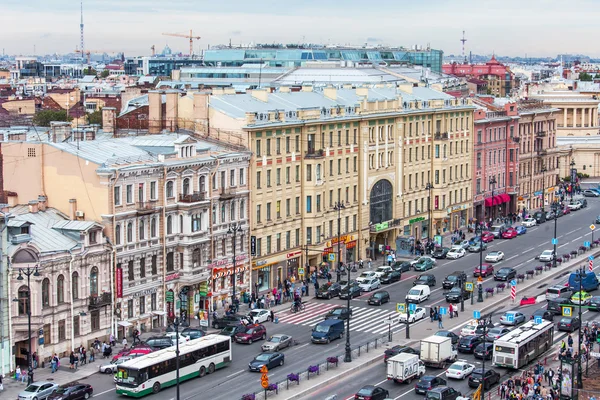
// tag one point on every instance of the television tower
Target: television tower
(81, 30)
(463, 40)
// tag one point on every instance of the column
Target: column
(574, 117)
(591, 117)
(565, 116)
(583, 117)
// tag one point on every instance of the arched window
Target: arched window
(169, 225)
(153, 227)
(94, 281)
(222, 212)
(232, 211)
(186, 186)
(242, 210)
(118, 234)
(23, 300)
(170, 192)
(46, 293)
(181, 223)
(60, 289)
(202, 184)
(214, 214)
(381, 199)
(129, 232)
(142, 227)
(75, 285)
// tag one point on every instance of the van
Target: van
(589, 282)
(418, 294)
(328, 330)
(498, 230)
(554, 305)
(556, 291)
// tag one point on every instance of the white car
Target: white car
(494, 256)
(574, 206)
(418, 314)
(529, 222)
(111, 368)
(173, 335)
(258, 316)
(369, 284)
(547, 255)
(456, 252)
(365, 275)
(459, 370)
(379, 272)
(464, 244)
(470, 328)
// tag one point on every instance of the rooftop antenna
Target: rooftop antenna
(81, 44)
(463, 40)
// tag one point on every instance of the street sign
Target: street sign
(513, 292)
(510, 318)
(591, 258)
(301, 271)
(554, 241)
(412, 307)
(264, 370)
(264, 379)
(567, 311)
(586, 244)
(469, 286)
(264, 384)
(480, 279)
(513, 283)
(592, 227)
(400, 307)
(391, 320)
(591, 264)
(476, 314)
(443, 310)
(538, 320)
(331, 257)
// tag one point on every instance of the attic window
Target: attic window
(92, 237)
(31, 152)
(25, 230)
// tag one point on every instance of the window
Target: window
(437, 151)
(297, 205)
(153, 301)
(152, 190)
(92, 237)
(308, 204)
(60, 289)
(278, 177)
(129, 308)
(142, 267)
(95, 320)
(170, 261)
(278, 209)
(511, 154)
(223, 212)
(309, 235)
(258, 217)
(242, 209)
(154, 265)
(170, 192)
(76, 325)
(258, 148)
(242, 177)
(278, 145)
(153, 227)
(169, 225)
(268, 211)
(355, 163)
(94, 281)
(142, 228)
(268, 178)
(269, 244)
(318, 203)
(129, 194)
(62, 334)
(223, 181)
(142, 300)
(117, 195)
(75, 284)
(129, 232)
(130, 270)
(45, 293)
(23, 297)
(437, 176)
(268, 150)
(258, 180)
(186, 186)
(287, 144)
(232, 177)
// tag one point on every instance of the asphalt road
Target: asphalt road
(232, 382)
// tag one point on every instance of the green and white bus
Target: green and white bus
(154, 371)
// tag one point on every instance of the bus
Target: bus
(520, 346)
(154, 371)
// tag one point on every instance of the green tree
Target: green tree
(105, 73)
(90, 71)
(585, 77)
(44, 117)
(95, 117)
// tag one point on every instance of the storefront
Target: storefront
(268, 273)
(458, 216)
(417, 228)
(497, 205)
(223, 281)
(382, 234)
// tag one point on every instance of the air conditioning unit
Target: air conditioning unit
(79, 214)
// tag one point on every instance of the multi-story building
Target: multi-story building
(361, 168)
(496, 161)
(499, 77)
(538, 155)
(167, 203)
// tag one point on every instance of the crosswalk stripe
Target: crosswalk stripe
(365, 320)
(308, 313)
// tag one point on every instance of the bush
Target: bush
(293, 377)
(249, 396)
(313, 368)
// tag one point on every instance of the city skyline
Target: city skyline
(133, 27)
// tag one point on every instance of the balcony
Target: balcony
(542, 152)
(516, 139)
(441, 136)
(312, 153)
(145, 207)
(192, 197)
(102, 300)
(227, 193)
(540, 134)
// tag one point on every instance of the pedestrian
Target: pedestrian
(450, 310)
(72, 360)
(503, 391)
(272, 316)
(124, 343)
(440, 326)
(1, 384)
(35, 360)
(111, 340)
(92, 354)
(307, 287)
(18, 373)
(431, 314)
(83, 356)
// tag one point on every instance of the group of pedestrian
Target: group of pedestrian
(435, 315)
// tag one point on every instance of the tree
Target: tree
(90, 71)
(95, 117)
(44, 117)
(105, 73)
(585, 77)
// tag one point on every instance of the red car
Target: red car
(566, 211)
(487, 237)
(510, 233)
(252, 333)
(486, 269)
(134, 352)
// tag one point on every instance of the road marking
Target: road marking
(574, 230)
(101, 393)
(563, 245)
(412, 390)
(515, 256)
(235, 373)
(578, 238)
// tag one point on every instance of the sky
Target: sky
(536, 28)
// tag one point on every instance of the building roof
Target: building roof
(334, 75)
(106, 152)
(78, 226)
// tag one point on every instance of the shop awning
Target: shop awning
(158, 312)
(125, 323)
(505, 198)
(488, 202)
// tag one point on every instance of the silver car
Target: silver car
(512, 318)
(111, 368)
(38, 391)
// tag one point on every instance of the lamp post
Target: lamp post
(486, 321)
(407, 319)
(555, 240)
(176, 326)
(28, 272)
(543, 186)
(233, 229)
(492, 182)
(429, 186)
(582, 273)
(572, 164)
(339, 206)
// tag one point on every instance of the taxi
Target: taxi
(581, 298)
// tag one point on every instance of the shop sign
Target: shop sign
(294, 254)
(203, 289)
(459, 207)
(119, 283)
(172, 277)
(226, 261)
(253, 246)
(170, 296)
(415, 220)
(261, 262)
(538, 193)
(342, 239)
(145, 292)
(351, 245)
(327, 250)
(520, 198)
(381, 226)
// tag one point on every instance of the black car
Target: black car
(484, 350)
(440, 252)
(468, 343)
(428, 382)
(456, 294)
(569, 324)
(159, 342)
(425, 279)
(329, 290)
(540, 217)
(505, 274)
(192, 333)
(391, 276)
(350, 292)
(598, 219)
(594, 303)
(454, 279)
(449, 334)
(268, 359)
(491, 378)
(378, 298)
(371, 392)
(232, 329)
(442, 393)
(339, 313)
(224, 320)
(394, 351)
(545, 314)
(402, 266)
(72, 391)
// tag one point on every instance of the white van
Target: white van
(418, 294)
(557, 291)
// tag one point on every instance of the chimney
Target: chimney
(172, 110)
(155, 114)
(109, 119)
(72, 209)
(362, 91)
(200, 113)
(307, 88)
(42, 203)
(261, 94)
(33, 206)
(330, 92)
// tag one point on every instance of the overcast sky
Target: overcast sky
(508, 27)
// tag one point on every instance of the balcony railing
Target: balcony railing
(540, 134)
(102, 300)
(192, 197)
(227, 193)
(441, 136)
(145, 207)
(315, 153)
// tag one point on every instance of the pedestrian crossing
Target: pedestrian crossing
(364, 319)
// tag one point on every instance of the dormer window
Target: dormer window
(92, 236)
(25, 230)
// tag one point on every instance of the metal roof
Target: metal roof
(79, 226)
(106, 152)
(46, 239)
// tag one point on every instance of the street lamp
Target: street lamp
(543, 186)
(28, 272)
(486, 321)
(554, 240)
(233, 229)
(176, 323)
(339, 206)
(582, 273)
(348, 352)
(429, 186)
(492, 182)
(572, 164)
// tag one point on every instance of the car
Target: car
(512, 318)
(416, 315)
(487, 237)
(252, 333)
(488, 376)
(459, 370)
(582, 298)
(382, 270)
(498, 230)
(449, 334)
(547, 255)
(111, 367)
(394, 351)
(495, 333)
(463, 243)
(440, 252)
(582, 201)
(192, 333)
(484, 350)
(350, 292)
(378, 298)
(477, 247)
(419, 259)
(232, 329)
(540, 217)
(569, 324)
(38, 390)
(258, 316)
(328, 290)
(574, 206)
(401, 266)
(159, 342)
(425, 279)
(598, 219)
(456, 252)
(590, 193)
(543, 313)
(390, 277)
(371, 392)
(566, 210)
(444, 393)
(594, 304)
(176, 336)
(72, 391)
(339, 313)
(550, 216)
(559, 212)
(456, 294)
(494, 256)
(370, 284)
(223, 320)
(365, 275)
(428, 382)
(424, 265)
(483, 270)
(134, 351)
(467, 344)
(505, 274)
(454, 279)
(521, 230)
(510, 233)
(270, 359)
(529, 222)
(277, 342)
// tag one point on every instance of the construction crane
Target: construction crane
(190, 36)
(153, 50)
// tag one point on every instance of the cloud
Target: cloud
(235, 33)
(374, 39)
